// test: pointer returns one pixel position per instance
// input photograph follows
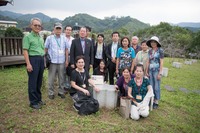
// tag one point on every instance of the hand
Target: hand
(141, 106)
(72, 66)
(131, 71)
(117, 71)
(123, 97)
(86, 92)
(137, 104)
(147, 74)
(96, 89)
(66, 63)
(159, 77)
(113, 60)
(29, 68)
(116, 88)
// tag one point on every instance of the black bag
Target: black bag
(47, 60)
(89, 106)
(85, 104)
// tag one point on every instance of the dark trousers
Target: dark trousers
(111, 70)
(35, 79)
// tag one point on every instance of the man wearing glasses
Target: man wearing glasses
(33, 49)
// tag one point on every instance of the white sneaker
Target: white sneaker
(75, 108)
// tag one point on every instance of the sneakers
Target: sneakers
(66, 90)
(61, 95)
(75, 108)
(37, 106)
(155, 105)
(42, 103)
(51, 97)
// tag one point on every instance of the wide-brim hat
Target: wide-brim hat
(154, 38)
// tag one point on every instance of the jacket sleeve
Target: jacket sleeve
(92, 54)
(107, 52)
(104, 52)
(72, 52)
(106, 76)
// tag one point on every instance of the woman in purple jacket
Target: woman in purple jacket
(122, 82)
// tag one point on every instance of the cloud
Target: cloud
(147, 11)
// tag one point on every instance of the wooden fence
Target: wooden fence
(11, 46)
(11, 51)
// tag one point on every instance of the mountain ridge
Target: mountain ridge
(98, 25)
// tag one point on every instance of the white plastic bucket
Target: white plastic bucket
(107, 97)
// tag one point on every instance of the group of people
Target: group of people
(72, 58)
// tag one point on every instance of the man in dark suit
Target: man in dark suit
(111, 53)
(88, 36)
(82, 46)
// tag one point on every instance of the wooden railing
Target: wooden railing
(11, 46)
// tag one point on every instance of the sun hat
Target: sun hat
(153, 38)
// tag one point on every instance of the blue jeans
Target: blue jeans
(155, 83)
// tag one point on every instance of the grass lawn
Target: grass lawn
(178, 111)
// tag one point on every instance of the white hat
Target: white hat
(154, 38)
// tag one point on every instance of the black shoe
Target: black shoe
(37, 106)
(66, 90)
(76, 108)
(61, 95)
(51, 97)
(42, 103)
(155, 105)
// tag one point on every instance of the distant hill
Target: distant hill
(82, 20)
(27, 17)
(6, 18)
(97, 25)
(189, 24)
(12, 15)
(42, 16)
(194, 27)
(100, 25)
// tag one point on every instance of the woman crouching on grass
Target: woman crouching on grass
(80, 81)
(140, 92)
(122, 82)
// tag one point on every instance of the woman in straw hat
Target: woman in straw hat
(155, 66)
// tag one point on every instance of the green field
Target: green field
(178, 111)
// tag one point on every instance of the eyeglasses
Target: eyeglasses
(37, 25)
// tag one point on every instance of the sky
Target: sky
(148, 11)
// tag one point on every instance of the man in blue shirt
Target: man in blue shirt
(57, 47)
